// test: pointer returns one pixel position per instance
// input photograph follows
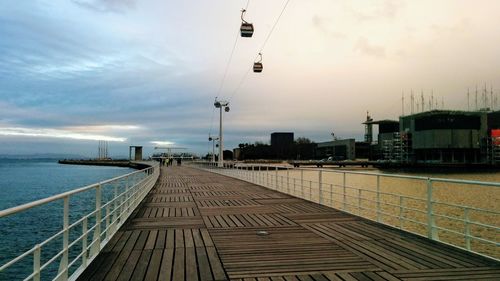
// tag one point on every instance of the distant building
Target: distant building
(237, 153)
(281, 144)
(338, 149)
(442, 136)
(281, 139)
(388, 131)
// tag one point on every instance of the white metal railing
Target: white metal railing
(411, 203)
(75, 245)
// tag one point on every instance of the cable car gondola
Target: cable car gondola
(246, 28)
(257, 66)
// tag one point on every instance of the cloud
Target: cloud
(322, 24)
(365, 47)
(55, 133)
(106, 5)
(163, 143)
(451, 30)
(374, 10)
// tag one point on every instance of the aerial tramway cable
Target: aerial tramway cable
(231, 55)
(227, 67)
(260, 52)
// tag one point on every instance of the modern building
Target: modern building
(388, 131)
(281, 139)
(444, 136)
(338, 149)
(281, 144)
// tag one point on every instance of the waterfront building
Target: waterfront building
(445, 136)
(281, 144)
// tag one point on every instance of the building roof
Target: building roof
(449, 112)
(378, 122)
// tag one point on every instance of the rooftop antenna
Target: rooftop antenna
(412, 100)
(495, 98)
(476, 98)
(403, 103)
(468, 100)
(491, 97)
(432, 99)
(423, 101)
(485, 95)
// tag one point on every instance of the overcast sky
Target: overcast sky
(137, 72)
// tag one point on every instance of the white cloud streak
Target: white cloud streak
(55, 133)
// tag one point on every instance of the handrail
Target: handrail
(495, 184)
(374, 204)
(106, 218)
(23, 207)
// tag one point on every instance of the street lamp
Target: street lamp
(213, 139)
(221, 105)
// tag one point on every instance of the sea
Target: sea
(27, 180)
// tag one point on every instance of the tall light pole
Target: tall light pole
(212, 139)
(221, 105)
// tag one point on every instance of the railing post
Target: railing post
(401, 210)
(36, 262)
(310, 191)
(107, 222)
(302, 183)
(359, 201)
(84, 241)
(294, 188)
(379, 215)
(320, 187)
(259, 176)
(467, 229)
(276, 169)
(115, 208)
(267, 176)
(344, 190)
(287, 181)
(431, 231)
(127, 202)
(63, 265)
(253, 174)
(331, 195)
(96, 246)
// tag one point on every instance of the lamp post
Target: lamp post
(213, 139)
(221, 105)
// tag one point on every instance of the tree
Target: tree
(303, 140)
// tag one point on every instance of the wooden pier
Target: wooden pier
(196, 225)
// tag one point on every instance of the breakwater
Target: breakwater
(115, 163)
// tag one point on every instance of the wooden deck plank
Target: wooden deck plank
(128, 268)
(154, 265)
(166, 264)
(195, 225)
(142, 265)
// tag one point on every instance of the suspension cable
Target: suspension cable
(274, 26)
(230, 56)
(261, 49)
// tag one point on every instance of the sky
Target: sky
(131, 72)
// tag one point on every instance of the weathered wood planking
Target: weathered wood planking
(196, 225)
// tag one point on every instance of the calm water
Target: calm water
(23, 181)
